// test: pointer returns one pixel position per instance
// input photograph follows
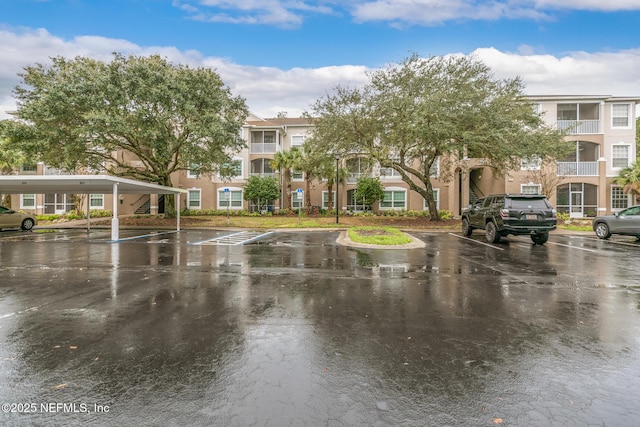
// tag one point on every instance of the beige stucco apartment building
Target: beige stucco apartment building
(603, 129)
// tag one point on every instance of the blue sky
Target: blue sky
(282, 54)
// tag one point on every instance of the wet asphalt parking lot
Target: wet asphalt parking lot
(297, 330)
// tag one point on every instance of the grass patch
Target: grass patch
(573, 227)
(378, 235)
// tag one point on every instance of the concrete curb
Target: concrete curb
(343, 239)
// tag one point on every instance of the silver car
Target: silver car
(12, 219)
(626, 222)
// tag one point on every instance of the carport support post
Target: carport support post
(178, 212)
(114, 221)
(88, 212)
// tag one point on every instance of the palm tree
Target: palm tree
(285, 161)
(629, 179)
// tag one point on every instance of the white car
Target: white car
(12, 219)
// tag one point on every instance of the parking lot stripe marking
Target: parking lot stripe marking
(476, 241)
(572, 247)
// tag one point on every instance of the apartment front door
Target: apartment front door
(576, 207)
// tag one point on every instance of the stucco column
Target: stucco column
(603, 198)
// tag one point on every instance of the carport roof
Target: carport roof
(81, 184)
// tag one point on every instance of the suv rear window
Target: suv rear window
(526, 203)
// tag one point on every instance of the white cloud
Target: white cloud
(575, 73)
(269, 90)
(279, 13)
(291, 13)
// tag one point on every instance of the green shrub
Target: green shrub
(48, 217)
(445, 214)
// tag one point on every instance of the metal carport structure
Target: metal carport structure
(87, 184)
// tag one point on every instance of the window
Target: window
(436, 198)
(434, 171)
(619, 200)
(28, 168)
(297, 200)
(96, 201)
(27, 201)
(530, 163)
(357, 167)
(193, 171)
(193, 198)
(394, 198)
(620, 115)
(231, 199)
(390, 172)
(232, 169)
(297, 140)
(325, 199)
(297, 175)
(619, 156)
(530, 188)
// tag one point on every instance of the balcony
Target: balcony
(579, 127)
(353, 178)
(577, 168)
(263, 148)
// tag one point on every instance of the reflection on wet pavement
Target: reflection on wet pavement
(297, 330)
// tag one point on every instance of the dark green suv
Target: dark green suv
(518, 214)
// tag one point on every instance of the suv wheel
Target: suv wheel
(540, 238)
(602, 230)
(491, 233)
(466, 228)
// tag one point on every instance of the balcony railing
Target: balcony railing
(577, 168)
(579, 127)
(260, 148)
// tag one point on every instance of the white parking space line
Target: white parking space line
(614, 242)
(476, 241)
(18, 312)
(572, 247)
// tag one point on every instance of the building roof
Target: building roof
(79, 184)
(280, 122)
(606, 98)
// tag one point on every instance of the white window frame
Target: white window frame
(530, 185)
(297, 175)
(325, 199)
(198, 205)
(296, 202)
(436, 195)
(29, 168)
(613, 158)
(617, 195)
(222, 201)
(97, 197)
(295, 139)
(434, 171)
(394, 190)
(615, 116)
(30, 196)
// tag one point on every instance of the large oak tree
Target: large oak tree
(420, 111)
(83, 114)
